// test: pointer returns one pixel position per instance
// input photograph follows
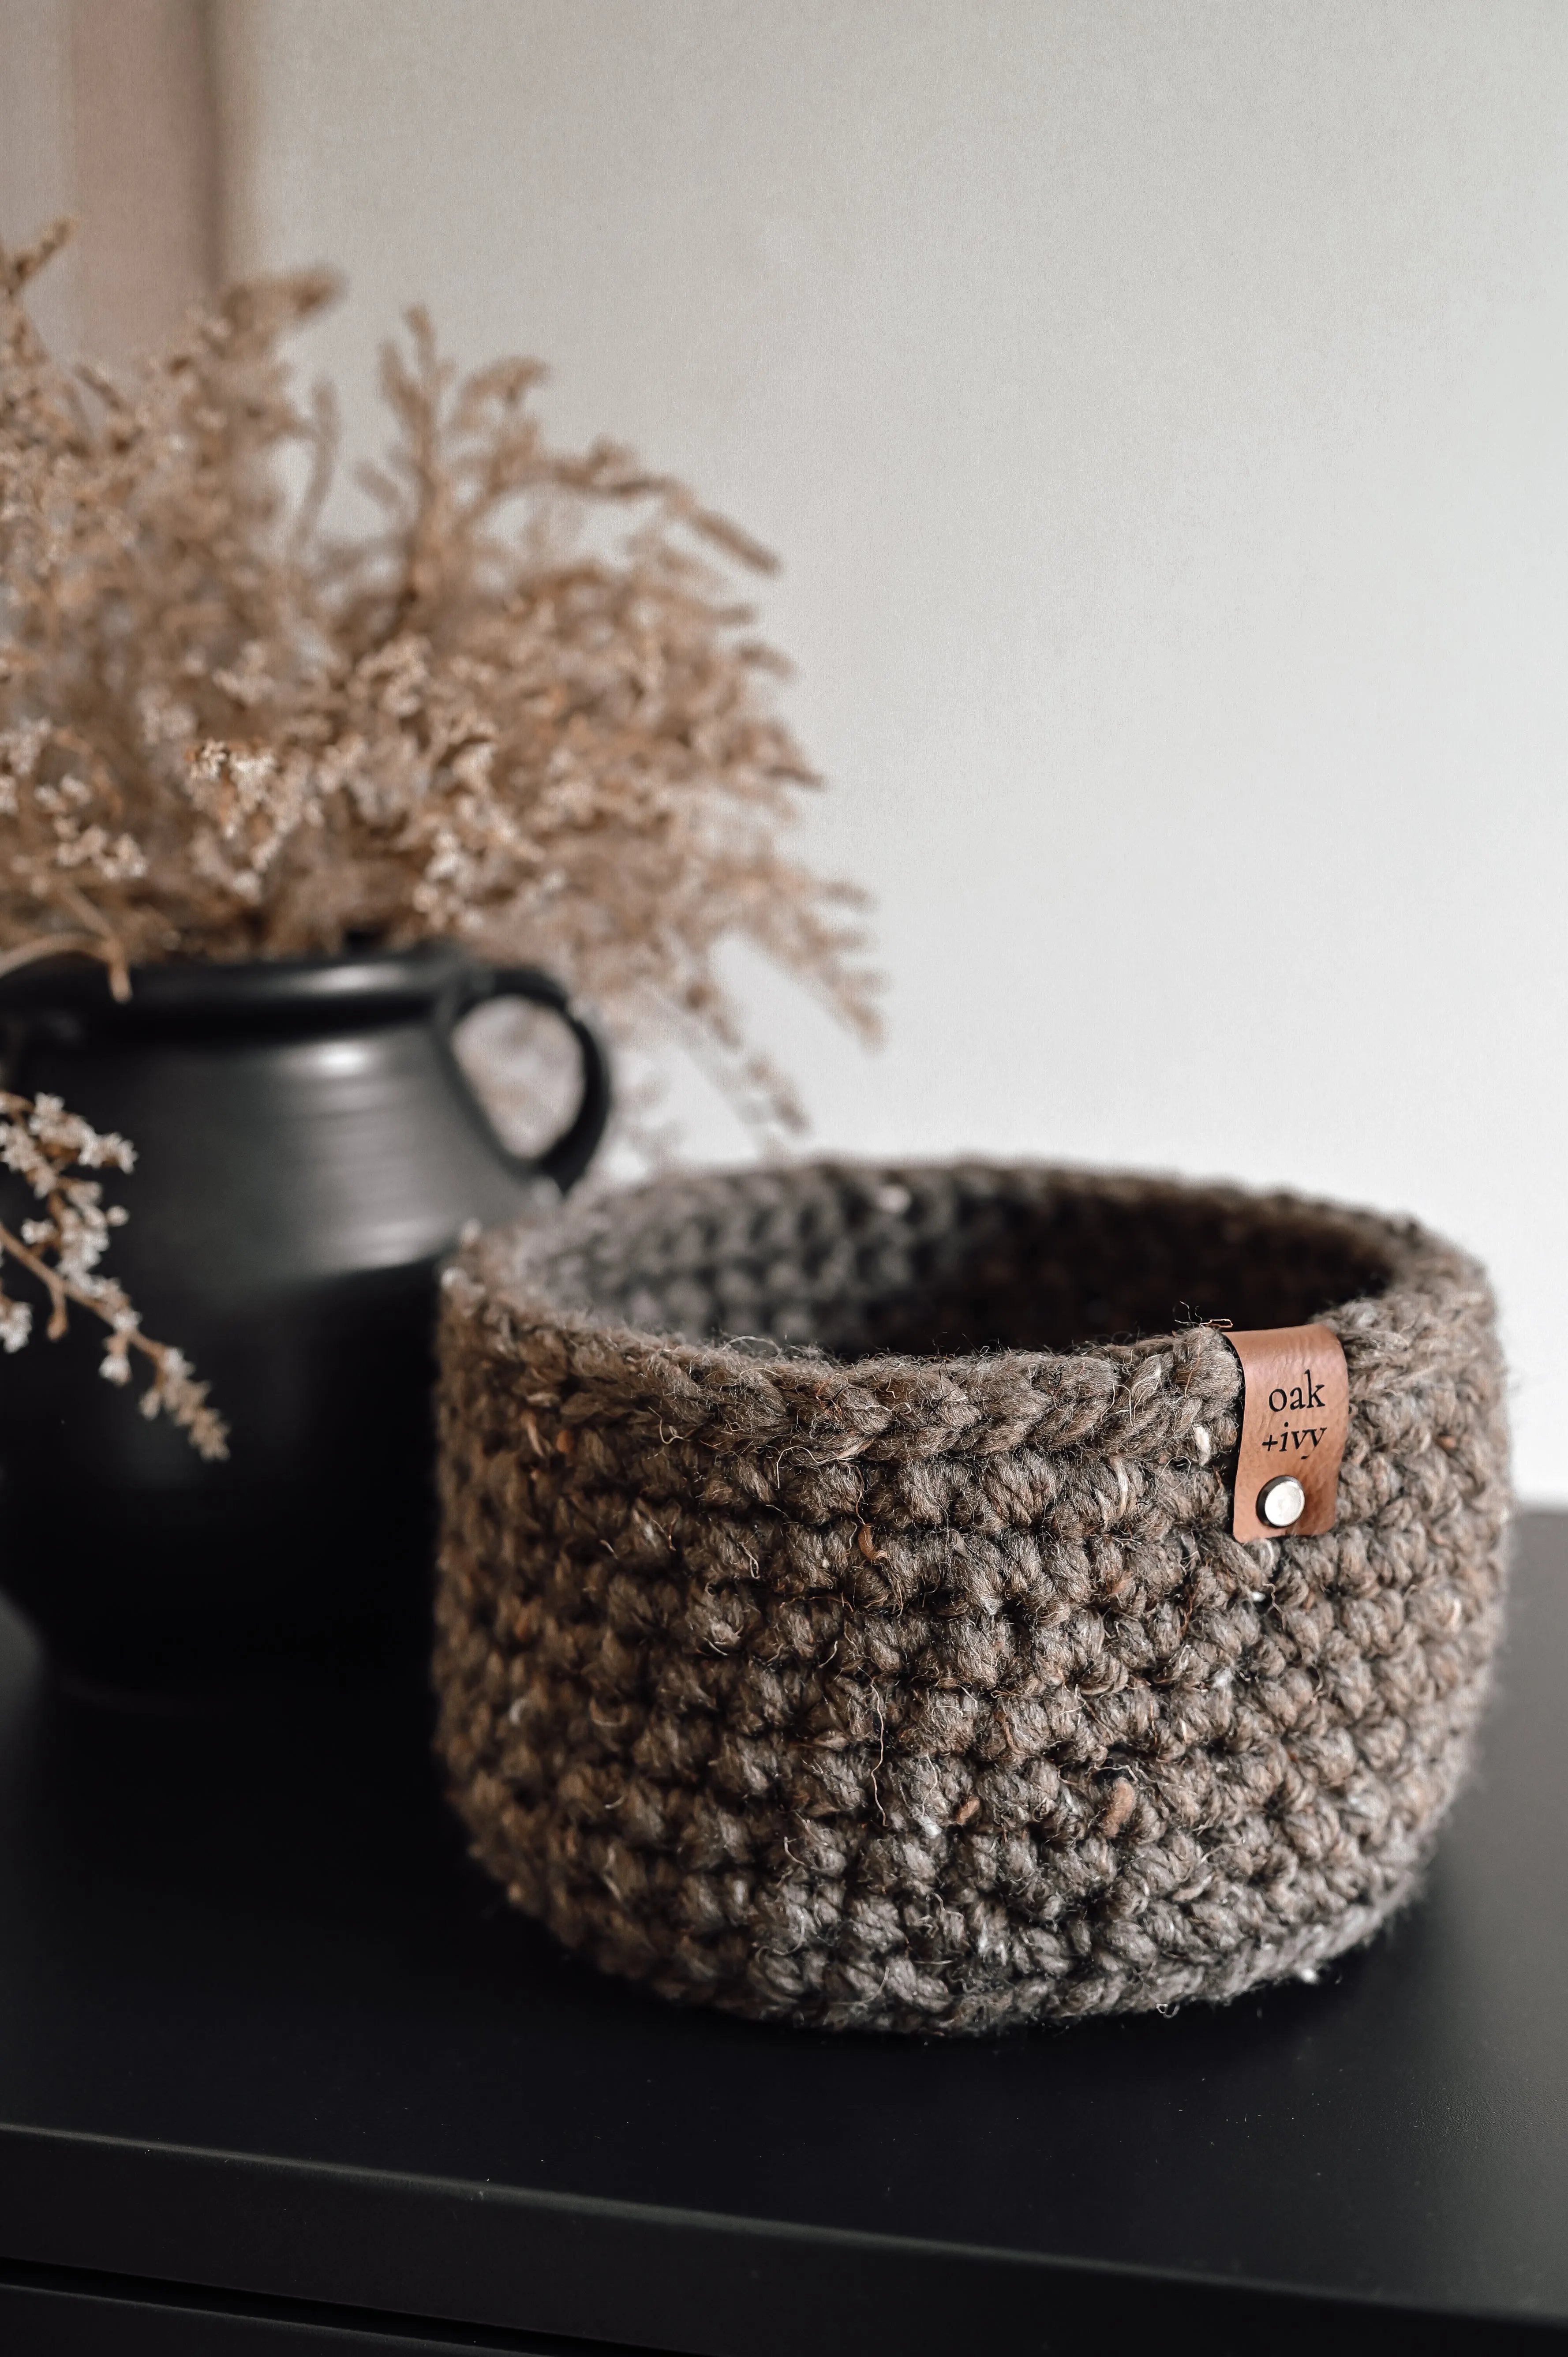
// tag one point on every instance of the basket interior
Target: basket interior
(943, 1260)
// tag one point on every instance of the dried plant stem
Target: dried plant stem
(60, 1290)
(50, 945)
(44, 1146)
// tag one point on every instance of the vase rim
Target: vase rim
(357, 982)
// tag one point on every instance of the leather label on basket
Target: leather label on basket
(1295, 1412)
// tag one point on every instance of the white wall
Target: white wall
(1161, 408)
(35, 145)
(106, 114)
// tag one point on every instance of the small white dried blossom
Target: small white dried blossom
(69, 794)
(117, 859)
(162, 719)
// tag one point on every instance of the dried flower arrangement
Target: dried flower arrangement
(226, 734)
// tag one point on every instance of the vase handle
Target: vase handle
(566, 1160)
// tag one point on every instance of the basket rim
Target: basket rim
(735, 1391)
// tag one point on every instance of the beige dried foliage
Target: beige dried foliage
(527, 711)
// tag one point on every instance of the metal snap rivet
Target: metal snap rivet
(1282, 1501)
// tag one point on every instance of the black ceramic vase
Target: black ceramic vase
(308, 1150)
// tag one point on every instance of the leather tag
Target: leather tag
(1295, 1413)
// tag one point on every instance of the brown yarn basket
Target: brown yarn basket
(831, 1630)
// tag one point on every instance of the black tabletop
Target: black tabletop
(263, 2027)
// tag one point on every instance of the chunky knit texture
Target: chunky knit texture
(894, 1666)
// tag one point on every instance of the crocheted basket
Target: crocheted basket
(897, 1669)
